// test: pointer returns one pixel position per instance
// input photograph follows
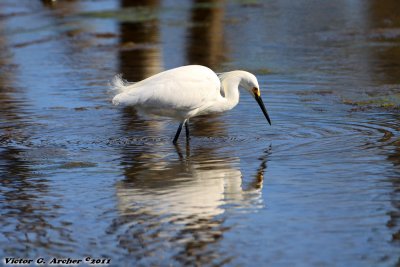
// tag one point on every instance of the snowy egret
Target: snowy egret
(186, 92)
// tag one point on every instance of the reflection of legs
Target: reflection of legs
(180, 154)
(178, 132)
(187, 130)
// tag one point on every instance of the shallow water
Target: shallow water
(79, 177)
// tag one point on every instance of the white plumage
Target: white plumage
(186, 92)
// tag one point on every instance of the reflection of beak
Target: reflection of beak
(262, 106)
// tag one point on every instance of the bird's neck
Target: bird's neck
(230, 87)
(231, 90)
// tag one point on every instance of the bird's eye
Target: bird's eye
(256, 91)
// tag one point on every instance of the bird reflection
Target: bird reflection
(166, 201)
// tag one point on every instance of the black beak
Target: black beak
(262, 106)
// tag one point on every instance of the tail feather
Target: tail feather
(116, 100)
(117, 86)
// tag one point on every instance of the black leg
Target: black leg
(178, 132)
(187, 130)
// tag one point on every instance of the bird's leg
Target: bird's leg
(187, 130)
(178, 132)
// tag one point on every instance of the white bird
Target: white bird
(186, 92)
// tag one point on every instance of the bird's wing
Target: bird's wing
(184, 88)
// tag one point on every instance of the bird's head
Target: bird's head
(249, 82)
